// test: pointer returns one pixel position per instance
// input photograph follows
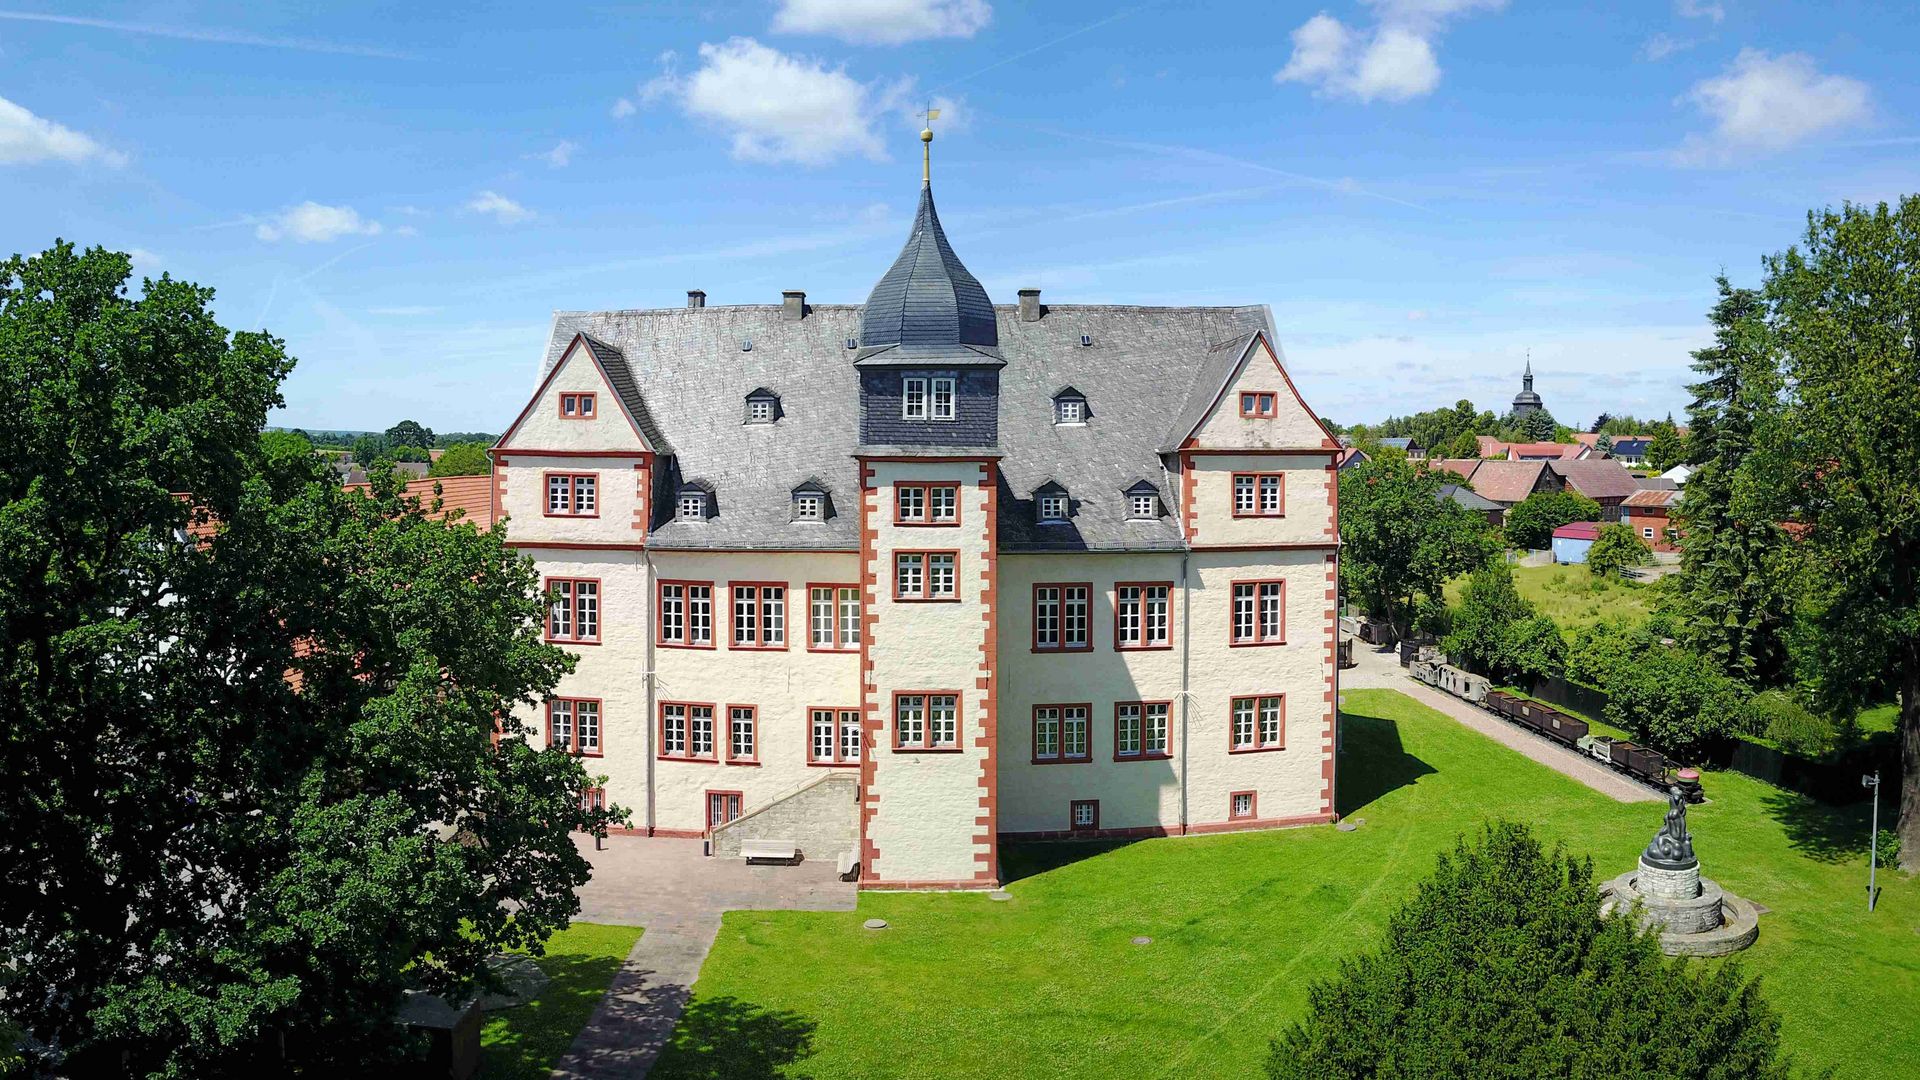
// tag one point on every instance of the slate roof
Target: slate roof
(1468, 498)
(1631, 446)
(928, 302)
(1597, 478)
(689, 373)
(625, 385)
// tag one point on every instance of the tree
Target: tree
(1668, 448)
(1615, 549)
(1496, 632)
(1676, 701)
(1401, 541)
(1503, 966)
(1464, 445)
(1845, 309)
(1538, 426)
(370, 448)
(462, 459)
(250, 781)
(410, 433)
(1531, 522)
(1731, 598)
(1604, 444)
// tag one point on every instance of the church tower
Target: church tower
(1526, 402)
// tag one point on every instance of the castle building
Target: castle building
(988, 571)
(1526, 402)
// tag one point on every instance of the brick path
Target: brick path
(677, 894)
(1382, 670)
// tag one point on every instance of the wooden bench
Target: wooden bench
(847, 865)
(772, 850)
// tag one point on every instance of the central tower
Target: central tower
(929, 365)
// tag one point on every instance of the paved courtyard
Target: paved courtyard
(678, 895)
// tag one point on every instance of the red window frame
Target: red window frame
(926, 520)
(573, 725)
(838, 630)
(1086, 589)
(1253, 806)
(926, 576)
(753, 733)
(686, 614)
(1060, 755)
(760, 641)
(586, 406)
(1073, 810)
(739, 806)
(926, 744)
(840, 718)
(1233, 614)
(573, 494)
(1259, 744)
(713, 714)
(1258, 480)
(1145, 645)
(1142, 754)
(1259, 404)
(575, 607)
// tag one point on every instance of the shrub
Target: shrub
(1675, 700)
(1615, 549)
(1888, 844)
(1789, 725)
(1489, 606)
(1501, 965)
(1596, 652)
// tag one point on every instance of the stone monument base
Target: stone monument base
(1694, 915)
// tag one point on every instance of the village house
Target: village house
(1649, 513)
(913, 576)
(1501, 481)
(1603, 480)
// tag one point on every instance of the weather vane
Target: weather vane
(926, 145)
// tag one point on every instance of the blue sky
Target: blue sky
(1423, 190)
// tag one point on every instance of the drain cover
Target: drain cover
(999, 894)
(1143, 940)
(1346, 826)
(875, 924)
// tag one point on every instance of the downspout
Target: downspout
(1186, 640)
(646, 557)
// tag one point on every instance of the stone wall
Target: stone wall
(819, 817)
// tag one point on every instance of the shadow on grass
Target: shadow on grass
(1372, 761)
(1025, 859)
(727, 1038)
(526, 1041)
(1818, 830)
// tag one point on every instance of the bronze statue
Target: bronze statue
(1672, 846)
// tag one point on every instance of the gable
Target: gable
(542, 425)
(1292, 424)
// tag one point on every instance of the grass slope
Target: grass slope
(1050, 985)
(525, 1042)
(1572, 596)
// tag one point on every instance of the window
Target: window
(1060, 734)
(686, 614)
(763, 407)
(1259, 723)
(1142, 615)
(1259, 495)
(943, 399)
(913, 398)
(692, 506)
(743, 746)
(1647, 531)
(686, 731)
(833, 618)
(1143, 506)
(722, 807)
(1140, 730)
(1259, 404)
(1240, 806)
(576, 406)
(1052, 508)
(759, 615)
(573, 495)
(1062, 617)
(834, 737)
(926, 504)
(574, 724)
(1259, 613)
(809, 506)
(1070, 410)
(926, 721)
(925, 575)
(1083, 815)
(573, 611)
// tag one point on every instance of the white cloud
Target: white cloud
(1700, 9)
(778, 107)
(1660, 46)
(145, 263)
(26, 139)
(623, 108)
(499, 207)
(314, 223)
(1765, 104)
(560, 156)
(1394, 60)
(883, 22)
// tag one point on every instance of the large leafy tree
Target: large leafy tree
(1846, 307)
(1400, 541)
(1615, 549)
(462, 459)
(1732, 598)
(1531, 522)
(249, 770)
(1496, 632)
(410, 433)
(1502, 965)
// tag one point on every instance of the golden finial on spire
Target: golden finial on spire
(926, 146)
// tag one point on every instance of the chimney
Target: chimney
(794, 304)
(1029, 305)
(696, 298)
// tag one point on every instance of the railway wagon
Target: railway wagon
(1463, 684)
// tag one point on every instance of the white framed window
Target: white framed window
(1070, 410)
(692, 506)
(1062, 615)
(573, 724)
(1259, 723)
(834, 736)
(913, 398)
(686, 614)
(1140, 729)
(925, 575)
(943, 504)
(1259, 613)
(759, 410)
(833, 617)
(759, 616)
(1143, 505)
(1647, 531)
(943, 398)
(1060, 734)
(1083, 815)
(573, 495)
(1052, 508)
(686, 731)
(923, 721)
(1141, 615)
(742, 744)
(809, 506)
(1240, 806)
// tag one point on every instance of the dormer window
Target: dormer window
(763, 406)
(691, 506)
(810, 502)
(1069, 407)
(576, 406)
(924, 397)
(1052, 507)
(1143, 507)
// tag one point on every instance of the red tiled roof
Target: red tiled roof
(1653, 497)
(472, 496)
(1597, 478)
(1506, 481)
(1579, 530)
(1541, 451)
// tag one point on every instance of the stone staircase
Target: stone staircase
(820, 816)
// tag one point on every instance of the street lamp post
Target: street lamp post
(1873, 835)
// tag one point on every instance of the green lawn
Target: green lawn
(525, 1042)
(1050, 985)
(1571, 596)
